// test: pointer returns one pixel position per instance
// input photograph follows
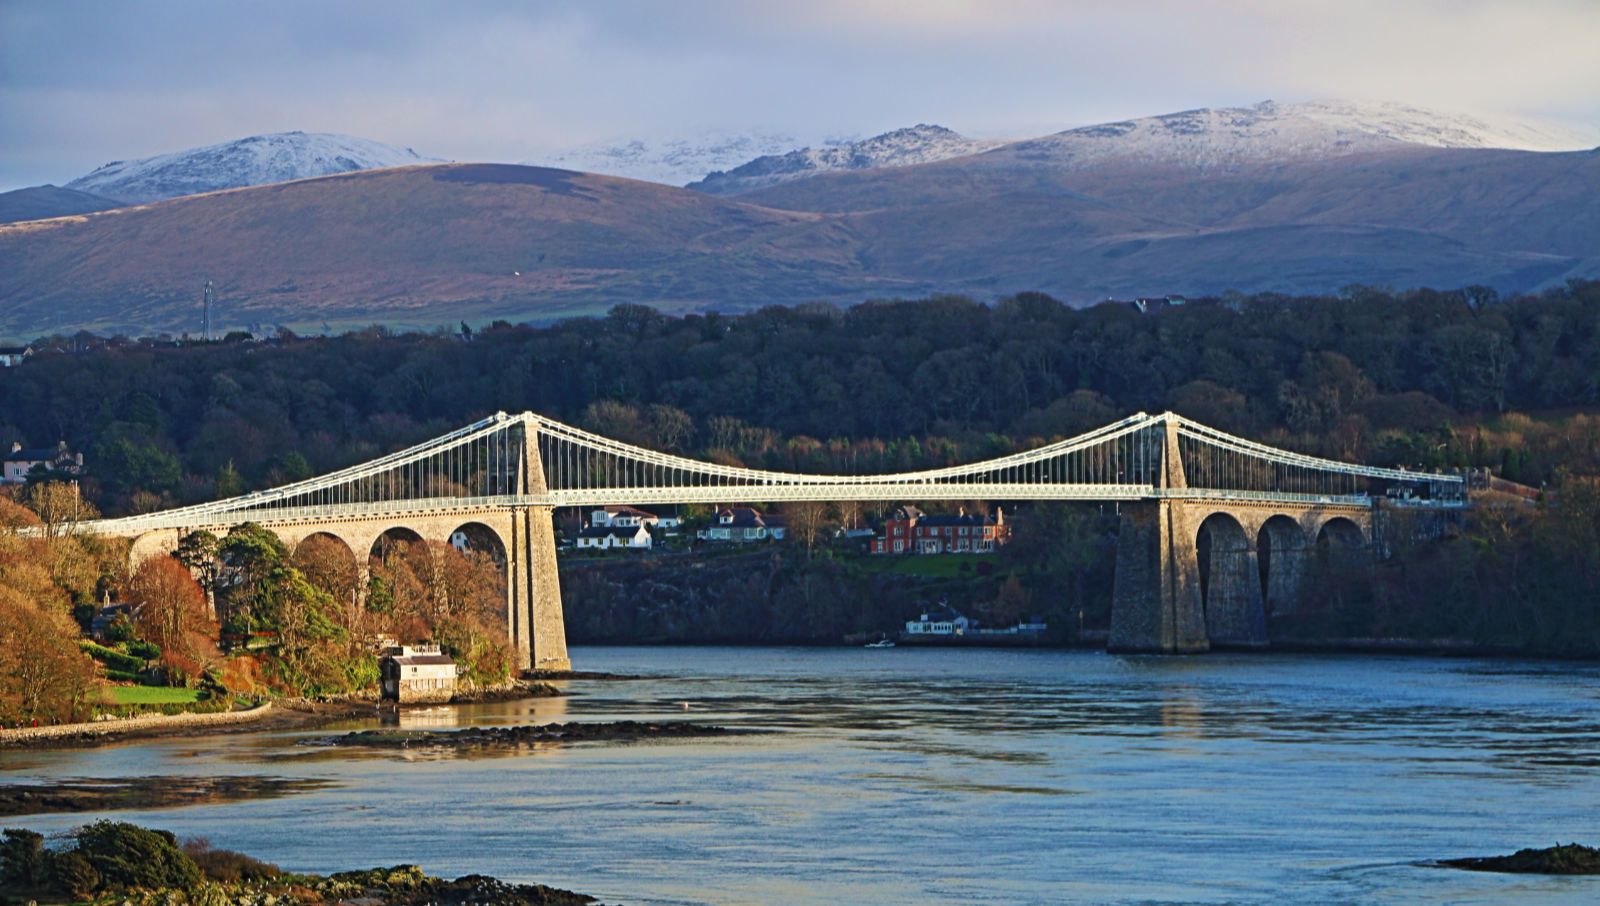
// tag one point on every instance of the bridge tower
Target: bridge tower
(1155, 604)
(538, 628)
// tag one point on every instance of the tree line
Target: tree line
(1421, 378)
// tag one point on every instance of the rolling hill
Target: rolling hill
(40, 202)
(1292, 200)
(412, 246)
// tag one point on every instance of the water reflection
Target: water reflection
(956, 776)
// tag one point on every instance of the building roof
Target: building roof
(906, 511)
(41, 454)
(611, 531)
(15, 350)
(965, 519)
(625, 510)
(420, 660)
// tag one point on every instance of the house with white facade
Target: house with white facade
(621, 516)
(743, 525)
(22, 461)
(417, 673)
(612, 537)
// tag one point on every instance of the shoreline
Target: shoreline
(275, 714)
(1440, 648)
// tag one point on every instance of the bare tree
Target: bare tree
(809, 521)
(60, 506)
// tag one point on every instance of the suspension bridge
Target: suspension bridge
(1216, 529)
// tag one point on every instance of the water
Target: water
(953, 776)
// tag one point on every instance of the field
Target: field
(150, 695)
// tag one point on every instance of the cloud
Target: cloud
(85, 82)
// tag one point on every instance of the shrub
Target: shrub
(112, 658)
(75, 875)
(143, 649)
(120, 629)
(23, 863)
(129, 856)
(225, 864)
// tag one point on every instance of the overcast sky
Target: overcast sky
(85, 82)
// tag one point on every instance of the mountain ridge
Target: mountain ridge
(436, 244)
(251, 161)
(919, 144)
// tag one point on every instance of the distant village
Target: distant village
(904, 530)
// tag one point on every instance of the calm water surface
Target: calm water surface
(953, 776)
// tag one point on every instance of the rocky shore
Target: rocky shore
(115, 862)
(95, 794)
(493, 738)
(1565, 859)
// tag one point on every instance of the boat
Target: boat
(881, 643)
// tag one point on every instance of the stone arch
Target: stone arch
(1281, 551)
(151, 544)
(1343, 532)
(477, 537)
(1341, 543)
(1230, 584)
(390, 539)
(330, 562)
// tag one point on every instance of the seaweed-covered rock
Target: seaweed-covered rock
(512, 737)
(407, 885)
(1566, 859)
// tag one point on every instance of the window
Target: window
(963, 530)
(899, 546)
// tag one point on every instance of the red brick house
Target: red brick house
(908, 530)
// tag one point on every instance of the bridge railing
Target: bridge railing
(488, 463)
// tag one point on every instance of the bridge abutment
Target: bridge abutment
(1155, 605)
(538, 625)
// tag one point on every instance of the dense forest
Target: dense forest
(1420, 379)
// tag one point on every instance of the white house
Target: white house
(621, 517)
(743, 525)
(948, 623)
(12, 356)
(19, 462)
(669, 518)
(417, 673)
(607, 537)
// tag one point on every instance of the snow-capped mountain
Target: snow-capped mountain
(919, 144)
(254, 161)
(1230, 136)
(670, 161)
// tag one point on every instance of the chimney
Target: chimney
(16, 446)
(999, 515)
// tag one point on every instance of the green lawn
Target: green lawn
(150, 695)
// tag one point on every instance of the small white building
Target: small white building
(608, 537)
(949, 623)
(12, 356)
(417, 673)
(621, 517)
